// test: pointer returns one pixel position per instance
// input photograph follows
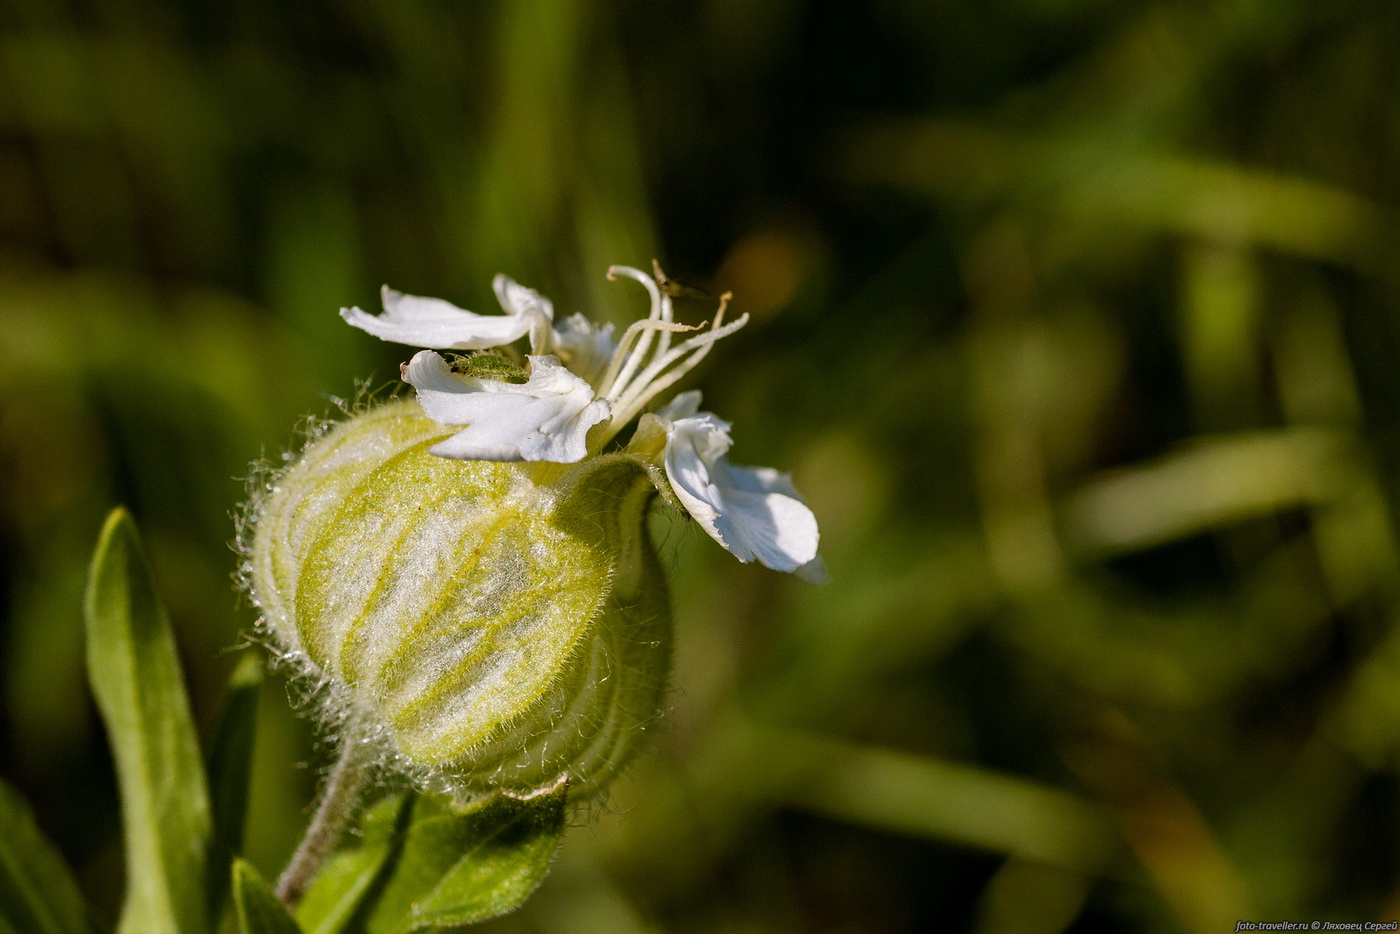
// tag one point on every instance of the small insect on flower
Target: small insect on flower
(673, 288)
(468, 575)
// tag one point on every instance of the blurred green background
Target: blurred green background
(1076, 320)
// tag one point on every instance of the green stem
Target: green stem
(339, 802)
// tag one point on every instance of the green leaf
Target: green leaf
(459, 868)
(335, 897)
(37, 892)
(136, 679)
(259, 911)
(230, 764)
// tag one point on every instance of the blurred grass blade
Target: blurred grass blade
(230, 764)
(948, 801)
(1024, 896)
(1086, 178)
(460, 868)
(259, 911)
(1214, 481)
(335, 897)
(136, 680)
(37, 891)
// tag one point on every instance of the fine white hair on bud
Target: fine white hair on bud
(497, 626)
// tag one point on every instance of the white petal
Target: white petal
(529, 306)
(519, 300)
(586, 348)
(690, 474)
(684, 405)
(752, 511)
(443, 394)
(759, 517)
(544, 419)
(432, 322)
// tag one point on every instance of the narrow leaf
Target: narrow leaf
(230, 765)
(459, 868)
(37, 892)
(337, 895)
(136, 679)
(259, 911)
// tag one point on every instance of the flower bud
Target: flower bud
(497, 625)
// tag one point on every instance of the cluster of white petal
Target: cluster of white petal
(583, 388)
(544, 419)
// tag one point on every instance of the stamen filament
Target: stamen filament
(646, 386)
(646, 280)
(662, 384)
(612, 378)
(661, 361)
(659, 312)
(629, 391)
(657, 276)
(663, 341)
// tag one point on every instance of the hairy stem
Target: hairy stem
(339, 802)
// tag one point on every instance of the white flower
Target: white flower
(544, 419)
(753, 511)
(432, 322)
(600, 384)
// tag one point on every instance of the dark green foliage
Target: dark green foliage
(417, 865)
(340, 897)
(37, 892)
(422, 865)
(257, 909)
(456, 868)
(140, 690)
(230, 768)
(1077, 322)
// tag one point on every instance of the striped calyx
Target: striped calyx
(498, 626)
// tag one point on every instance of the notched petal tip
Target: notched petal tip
(519, 300)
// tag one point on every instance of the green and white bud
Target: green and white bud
(496, 626)
(467, 577)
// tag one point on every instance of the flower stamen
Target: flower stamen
(613, 383)
(660, 311)
(584, 392)
(651, 382)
